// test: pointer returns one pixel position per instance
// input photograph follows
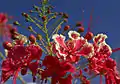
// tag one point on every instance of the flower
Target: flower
(9, 68)
(72, 49)
(20, 57)
(73, 35)
(57, 70)
(3, 18)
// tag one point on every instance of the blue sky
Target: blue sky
(106, 14)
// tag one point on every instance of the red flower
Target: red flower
(3, 18)
(72, 49)
(9, 68)
(18, 58)
(35, 52)
(57, 70)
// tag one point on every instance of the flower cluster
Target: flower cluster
(57, 56)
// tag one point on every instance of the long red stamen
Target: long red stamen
(116, 49)
(90, 22)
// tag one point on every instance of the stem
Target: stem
(45, 26)
(38, 25)
(54, 24)
(21, 79)
(32, 17)
(56, 29)
(43, 46)
(1, 55)
(47, 37)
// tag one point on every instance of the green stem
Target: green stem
(21, 79)
(47, 37)
(56, 29)
(52, 27)
(1, 55)
(32, 17)
(38, 25)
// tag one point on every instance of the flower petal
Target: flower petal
(73, 35)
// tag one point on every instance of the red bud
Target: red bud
(89, 35)
(81, 29)
(66, 27)
(7, 45)
(44, 18)
(32, 38)
(78, 24)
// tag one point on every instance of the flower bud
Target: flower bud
(44, 18)
(56, 13)
(66, 27)
(65, 20)
(78, 24)
(30, 28)
(25, 14)
(31, 11)
(32, 38)
(16, 23)
(13, 30)
(81, 29)
(48, 11)
(37, 9)
(89, 35)
(61, 13)
(65, 15)
(7, 45)
(85, 69)
(39, 37)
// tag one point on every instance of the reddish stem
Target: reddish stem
(116, 49)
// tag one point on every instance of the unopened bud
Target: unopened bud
(31, 11)
(7, 45)
(85, 69)
(65, 15)
(16, 23)
(32, 38)
(39, 37)
(65, 20)
(66, 27)
(37, 9)
(13, 30)
(56, 13)
(48, 11)
(89, 35)
(44, 18)
(78, 24)
(25, 14)
(81, 29)
(30, 28)
(61, 13)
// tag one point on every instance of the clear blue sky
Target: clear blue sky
(106, 14)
